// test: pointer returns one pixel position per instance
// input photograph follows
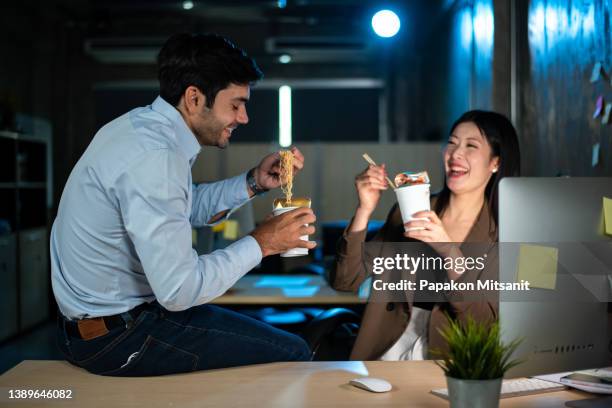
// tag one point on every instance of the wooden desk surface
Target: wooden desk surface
(285, 290)
(304, 384)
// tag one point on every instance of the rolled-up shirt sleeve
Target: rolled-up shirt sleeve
(212, 199)
(155, 211)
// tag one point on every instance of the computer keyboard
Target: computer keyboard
(517, 388)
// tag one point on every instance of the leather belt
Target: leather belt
(88, 329)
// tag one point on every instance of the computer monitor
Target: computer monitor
(559, 332)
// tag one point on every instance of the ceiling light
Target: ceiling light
(386, 23)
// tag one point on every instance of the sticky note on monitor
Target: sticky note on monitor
(596, 73)
(219, 227)
(231, 230)
(595, 154)
(538, 265)
(607, 215)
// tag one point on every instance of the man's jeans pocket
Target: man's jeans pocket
(156, 357)
(98, 353)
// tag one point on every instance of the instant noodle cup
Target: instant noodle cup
(412, 192)
(410, 178)
(281, 206)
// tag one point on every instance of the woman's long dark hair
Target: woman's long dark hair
(501, 136)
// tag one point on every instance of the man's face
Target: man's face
(214, 126)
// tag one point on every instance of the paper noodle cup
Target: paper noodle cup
(412, 199)
(279, 208)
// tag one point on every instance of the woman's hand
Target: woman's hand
(369, 184)
(433, 232)
(436, 236)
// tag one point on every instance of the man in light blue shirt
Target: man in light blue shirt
(131, 290)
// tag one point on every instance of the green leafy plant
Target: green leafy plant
(475, 350)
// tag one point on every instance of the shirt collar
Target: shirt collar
(185, 138)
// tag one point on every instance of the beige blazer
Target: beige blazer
(384, 322)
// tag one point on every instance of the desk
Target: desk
(285, 290)
(303, 384)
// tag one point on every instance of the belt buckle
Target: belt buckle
(92, 328)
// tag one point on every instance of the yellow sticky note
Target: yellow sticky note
(538, 265)
(219, 227)
(231, 230)
(607, 211)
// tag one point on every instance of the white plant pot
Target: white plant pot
(473, 393)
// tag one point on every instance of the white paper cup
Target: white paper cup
(294, 251)
(412, 199)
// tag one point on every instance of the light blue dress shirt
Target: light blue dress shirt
(122, 235)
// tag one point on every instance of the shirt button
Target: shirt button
(390, 306)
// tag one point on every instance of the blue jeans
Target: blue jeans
(160, 342)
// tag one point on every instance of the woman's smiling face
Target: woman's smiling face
(468, 159)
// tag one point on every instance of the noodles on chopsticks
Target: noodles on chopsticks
(286, 174)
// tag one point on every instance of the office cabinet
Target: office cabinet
(34, 276)
(24, 255)
(8, 155)
(8, 286)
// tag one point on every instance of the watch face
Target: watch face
(252, 183)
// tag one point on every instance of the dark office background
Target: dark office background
(69, 66)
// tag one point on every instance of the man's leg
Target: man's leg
(203, 337)
(223, 338)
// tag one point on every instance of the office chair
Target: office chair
(331, 334)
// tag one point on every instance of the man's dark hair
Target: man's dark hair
(207, 61)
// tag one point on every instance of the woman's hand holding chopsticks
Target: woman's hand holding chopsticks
(370, 184)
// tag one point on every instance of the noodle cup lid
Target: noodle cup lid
(295, 202)
(408, 178)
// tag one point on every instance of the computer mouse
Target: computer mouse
(371, 384)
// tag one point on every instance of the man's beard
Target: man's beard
(211, 133)
(222, 144)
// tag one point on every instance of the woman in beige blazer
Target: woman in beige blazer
(482, 149)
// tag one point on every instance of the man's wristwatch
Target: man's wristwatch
(250, 178)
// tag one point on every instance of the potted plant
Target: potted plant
(474, 362)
